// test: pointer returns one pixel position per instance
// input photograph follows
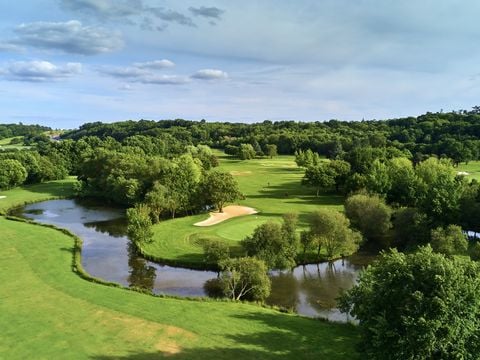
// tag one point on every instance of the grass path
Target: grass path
(472, 168)
(48, 312)
(271, 186)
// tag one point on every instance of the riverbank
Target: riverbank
(46, 305)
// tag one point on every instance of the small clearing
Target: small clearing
(228, 212)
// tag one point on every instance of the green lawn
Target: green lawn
(272, 186)
(5, 143)
(36, 192)
(48, 312)
(472, 168)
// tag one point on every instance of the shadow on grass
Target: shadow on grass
(291, 338)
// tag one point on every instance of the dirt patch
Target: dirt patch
(240, 173)
(229, 212)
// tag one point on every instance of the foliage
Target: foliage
(219, 188)
(215, 252)
(370, 215)
(12, 173)
(330, 229)
(245, 279)
(246, 152)
(410, 228)
(271, 150)
(418, 306)
(269, 243)
(449, 241)
(140, 224)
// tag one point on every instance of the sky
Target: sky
(67, 62)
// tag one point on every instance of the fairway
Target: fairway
(271, 186)
(36, 192)
(48, 312)
(472, 168)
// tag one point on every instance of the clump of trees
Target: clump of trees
(274, 243)
(12, 173)
(219, 188)
(245, 279)
(418, 306)
(140, 225)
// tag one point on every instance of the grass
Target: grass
(6, 143)
(49, 312)
(272, 186)
(36, 192)
(472, 168)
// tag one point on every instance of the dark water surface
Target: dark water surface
(108, 254)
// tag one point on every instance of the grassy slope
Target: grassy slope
(36, 192)
(473, 168)
(48, 312)
(272, 186)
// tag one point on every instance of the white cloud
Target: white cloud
(39, 71)
(70, 37)
(210, 74)
(156, 64)
(163, 79)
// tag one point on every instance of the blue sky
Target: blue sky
(67, 62)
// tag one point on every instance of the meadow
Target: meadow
(271, 186)
(48, 311)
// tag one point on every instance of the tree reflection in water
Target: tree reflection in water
(141, 275)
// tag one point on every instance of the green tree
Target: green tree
(219, 188)
(271, 150)
(157, 200)
(417, 306)
(370, 215)
(320, 177)
(269, 244)
(378, 179)
(404, 184)
(215, 251)
(449, 241)
(140, 224)
(331, 230)
(245, 279)
(307, 242)
(246, 152)
(439, 190)
(12, 173)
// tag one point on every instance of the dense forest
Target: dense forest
(455, 134)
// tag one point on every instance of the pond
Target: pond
(107, 253)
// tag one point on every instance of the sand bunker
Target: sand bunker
(228, 212)
(2, 197)
(463, 173)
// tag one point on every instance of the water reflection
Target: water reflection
(141, 275)
(108, 254)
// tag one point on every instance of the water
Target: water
(107, 253)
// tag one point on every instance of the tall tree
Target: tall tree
(219, 188)
(418, 306)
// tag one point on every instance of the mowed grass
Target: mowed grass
(36, 192)
(272, 186)
(6, 143)
(472, 168)
(48, 312)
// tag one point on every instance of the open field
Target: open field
(271, 186)
(36, 192)
(472, 168)
(48, 312)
